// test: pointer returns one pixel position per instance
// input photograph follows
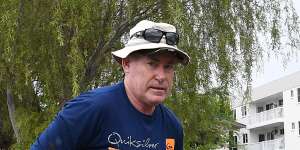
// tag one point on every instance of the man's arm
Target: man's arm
(64, 132)
(57, 136)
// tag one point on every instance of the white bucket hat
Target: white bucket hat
(139, 43)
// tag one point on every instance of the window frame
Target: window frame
(281, 131)
(269, 106)
(259, 109)
(270, 136)
(261, 137)
(244, 111)
(234, 114)
(280, 102)
(245, 138)
(299, 126)
(298, 94)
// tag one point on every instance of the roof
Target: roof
(238, 125)
(276, 86)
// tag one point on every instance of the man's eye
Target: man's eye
(152, 64)
(170, 66)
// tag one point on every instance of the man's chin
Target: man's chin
(157, 99)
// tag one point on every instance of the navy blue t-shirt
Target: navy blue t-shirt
(103, 118)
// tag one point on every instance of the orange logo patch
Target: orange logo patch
(110, 148)
(170, 144)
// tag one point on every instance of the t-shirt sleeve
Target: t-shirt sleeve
(66, 131)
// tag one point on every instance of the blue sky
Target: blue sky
(273, 68)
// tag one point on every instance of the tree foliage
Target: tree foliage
(52, 50)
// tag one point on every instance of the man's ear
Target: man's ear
(125, 65)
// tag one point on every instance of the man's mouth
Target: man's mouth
(158, 88)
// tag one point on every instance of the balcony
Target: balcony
(277, 144)
(266, 117)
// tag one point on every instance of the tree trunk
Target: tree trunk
(1, 122)
(11, 111)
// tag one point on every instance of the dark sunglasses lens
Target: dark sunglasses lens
(172, 38)
(153, 35)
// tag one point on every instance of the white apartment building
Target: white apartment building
(272, 117)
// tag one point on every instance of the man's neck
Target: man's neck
(137, 104)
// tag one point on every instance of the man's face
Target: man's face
(149, 78)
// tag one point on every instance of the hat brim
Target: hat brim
(124, 52)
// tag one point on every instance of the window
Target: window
(281, 131)
(270, 136)
(234, 114)
(234, 144)
(299, 126)
(261, 137)
(299, 95)
(293, 125)
(235, 140)
(259, 109)
(280, 102)
(244, 111)
(245, 138)
(269, 106)
(275, 131)
(292, 93)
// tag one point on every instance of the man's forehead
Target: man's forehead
(166, 56)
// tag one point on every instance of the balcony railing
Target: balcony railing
(277, 144)
(266, 116)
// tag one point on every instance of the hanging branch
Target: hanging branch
(101, 49)
(10, 101)
(11, 111)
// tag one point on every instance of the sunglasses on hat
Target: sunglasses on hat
(155, 35)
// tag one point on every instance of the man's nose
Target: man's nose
(160, 73)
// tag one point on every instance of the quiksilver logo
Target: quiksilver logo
(117, 140)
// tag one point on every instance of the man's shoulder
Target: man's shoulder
(99, 96)
(110, 90)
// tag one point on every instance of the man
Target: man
(128, 115)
